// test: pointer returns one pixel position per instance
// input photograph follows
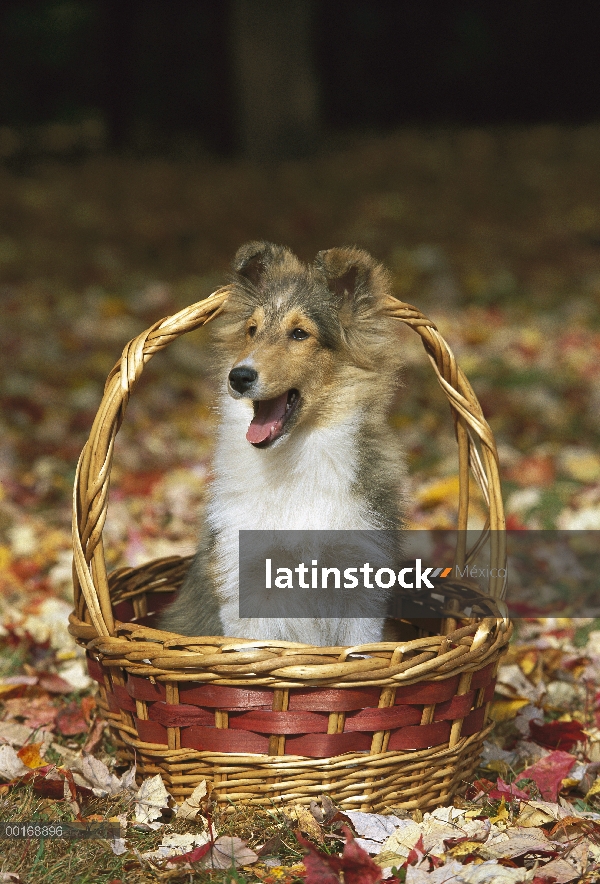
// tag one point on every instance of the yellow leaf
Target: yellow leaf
(568, 783)
(439, 492)
(5, 554)
(594, 790)
(30, 755)
(528, 662)
(533, 817)
(465, 848)
(502, 814)
(505, 710)
(582, 466)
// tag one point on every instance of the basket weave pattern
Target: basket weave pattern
(387, 724)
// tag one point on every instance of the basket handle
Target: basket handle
(90, 492)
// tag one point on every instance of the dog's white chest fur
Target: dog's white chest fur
(305, 482)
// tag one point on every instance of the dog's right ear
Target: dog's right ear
(353, 276)
(253, 259)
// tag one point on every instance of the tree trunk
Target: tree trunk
(274, 78)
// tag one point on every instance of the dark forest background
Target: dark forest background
(273, 78)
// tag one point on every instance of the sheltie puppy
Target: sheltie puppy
(308, 366)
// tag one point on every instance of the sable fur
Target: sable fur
(337, 464)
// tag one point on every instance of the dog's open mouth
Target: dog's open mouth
(270, 418)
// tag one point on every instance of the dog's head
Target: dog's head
(301, 336)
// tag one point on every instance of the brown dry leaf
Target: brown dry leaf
(192, 806)
(94, 738)
(227, 852)
(36, 712)
(558, 871)
(534, 816)
(301, 818)
(519, 844)
(54, 684)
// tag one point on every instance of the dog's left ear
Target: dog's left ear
(353, 276)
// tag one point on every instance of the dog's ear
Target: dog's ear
(352, 275)
(253, 260)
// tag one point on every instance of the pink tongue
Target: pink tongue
(269, 414)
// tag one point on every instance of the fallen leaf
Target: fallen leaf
(327, 811)
(70, 720)
(373, 828)
(520, 845)
(549, 772)
(18, 734)
(514, 684)
(355, 863)
(11, 766)
(179, 847)
(94, 738)
(501, 814)
(193, 856)
(507, 791)
(536, 470)
(152, 798)
(302, 819)
(102, 782)
(54, 684)
(88, 704)
(449, 872)
(537, 813)
(557, 734)
(506, 710)
(190, 808)
(228, 852)
(439, 491)
(30, 755)
(36, 712)
(557, 871)
(491, 872)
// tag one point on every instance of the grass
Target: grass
(57, 860)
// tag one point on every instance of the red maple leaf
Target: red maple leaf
(557, 734)
(355, 863)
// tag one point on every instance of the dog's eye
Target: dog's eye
(299, 334)
(251, 330)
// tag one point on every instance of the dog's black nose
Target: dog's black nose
(241, 378)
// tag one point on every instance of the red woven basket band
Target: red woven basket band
(312, 746)
(123, 699)
(222, 697)
(283, 723)
(315, 745)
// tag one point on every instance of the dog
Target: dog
(308, 365)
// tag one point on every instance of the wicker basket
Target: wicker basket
(393, 724)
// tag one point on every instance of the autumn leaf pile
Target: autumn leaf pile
(496, 236)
